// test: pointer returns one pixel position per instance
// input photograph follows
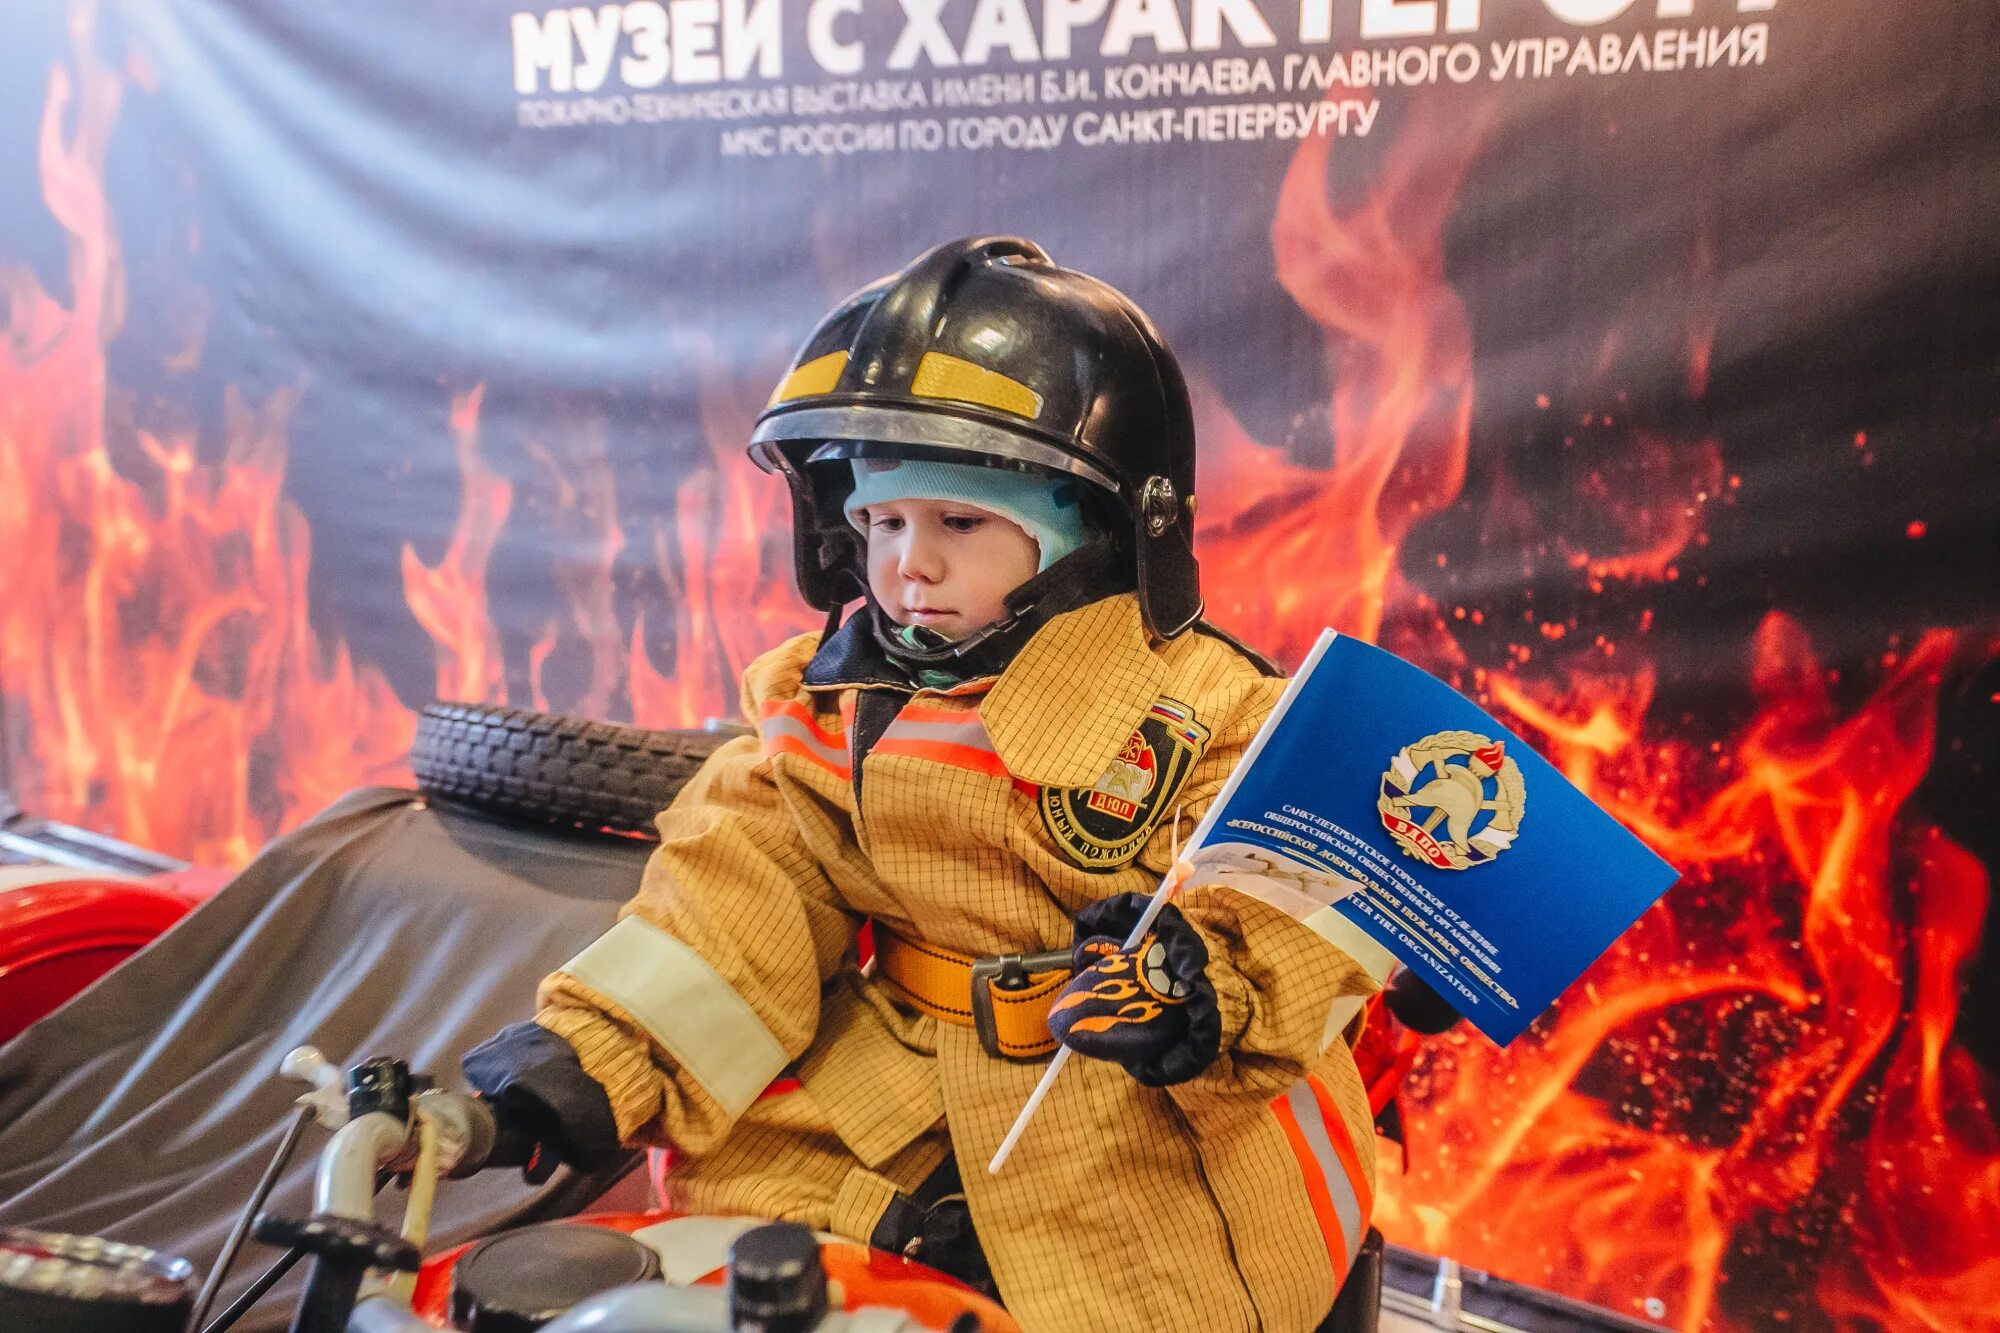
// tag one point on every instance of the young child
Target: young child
(985, 760)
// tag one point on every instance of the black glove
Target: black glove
(548, 1109)
(1416, 1006)
(1152, 1010)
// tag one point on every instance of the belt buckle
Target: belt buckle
(1009, 972)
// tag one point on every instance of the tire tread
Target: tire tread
(544, 769)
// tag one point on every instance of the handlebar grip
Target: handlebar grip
(473, 1127)
(510, 1139)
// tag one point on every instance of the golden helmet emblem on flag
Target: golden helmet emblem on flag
(1459, 780)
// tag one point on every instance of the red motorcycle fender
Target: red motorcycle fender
(61, 930)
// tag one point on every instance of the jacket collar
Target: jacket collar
(851, 656)
(1072, 697)
(859, 651)
(1064, 707)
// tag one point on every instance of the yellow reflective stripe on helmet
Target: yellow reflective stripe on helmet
(816, 376)
(941, 376)
(696, 1016)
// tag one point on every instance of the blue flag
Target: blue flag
(1378, 792)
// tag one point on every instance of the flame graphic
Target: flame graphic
(1400, 358)
(162, 674)
(1618, 1152)
(728, 572)
(1751, 1110)
(449, 599)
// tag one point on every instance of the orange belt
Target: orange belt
(1005, 999)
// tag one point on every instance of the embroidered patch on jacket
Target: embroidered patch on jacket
(1103, 826)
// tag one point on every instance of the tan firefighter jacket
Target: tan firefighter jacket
(1230, 1202)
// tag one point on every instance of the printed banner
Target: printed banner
(1628, 365)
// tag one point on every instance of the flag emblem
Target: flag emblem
(1453, 800)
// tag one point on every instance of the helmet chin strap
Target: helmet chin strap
(1089, 573)
(918, 646)
(920, 643)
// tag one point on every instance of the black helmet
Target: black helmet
(984, 351)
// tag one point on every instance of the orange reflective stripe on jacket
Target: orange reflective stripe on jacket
(1342, 1198)
(943, 735)
(789, 726)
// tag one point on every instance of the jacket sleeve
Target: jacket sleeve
(709, 983)
(1276, 977)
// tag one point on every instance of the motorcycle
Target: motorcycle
(646, 1272)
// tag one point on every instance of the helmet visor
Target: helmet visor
(860, 432)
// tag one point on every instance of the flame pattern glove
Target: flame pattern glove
(1151, 1010)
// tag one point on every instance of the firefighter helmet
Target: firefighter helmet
(985, 351)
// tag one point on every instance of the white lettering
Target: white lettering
(695, 58)
(597, 41)
(1587, 13)
(752, 33)
(1157, 21)
(831, 138)
(646, 25)
(1244, 22)
(1399, 18)
(1062, 17)
(1315, 21)
(750, 140)
(541, 45)
(1000, 24)
(828, 51)
(923, 34)
(1680, 9)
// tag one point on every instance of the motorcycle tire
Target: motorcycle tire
(543, 769)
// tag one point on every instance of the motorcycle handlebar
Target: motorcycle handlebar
(470, 1135)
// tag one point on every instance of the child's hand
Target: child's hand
(1151, 1010)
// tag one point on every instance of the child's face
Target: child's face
(945, 564)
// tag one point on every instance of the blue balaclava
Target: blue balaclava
(1047, 508)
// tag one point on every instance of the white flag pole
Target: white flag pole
(1172, 880)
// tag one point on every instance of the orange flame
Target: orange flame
(449, 600)
(1400, 360)
(162, 673)
(1792, 921)
(1577, 1158)
(731, 582)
